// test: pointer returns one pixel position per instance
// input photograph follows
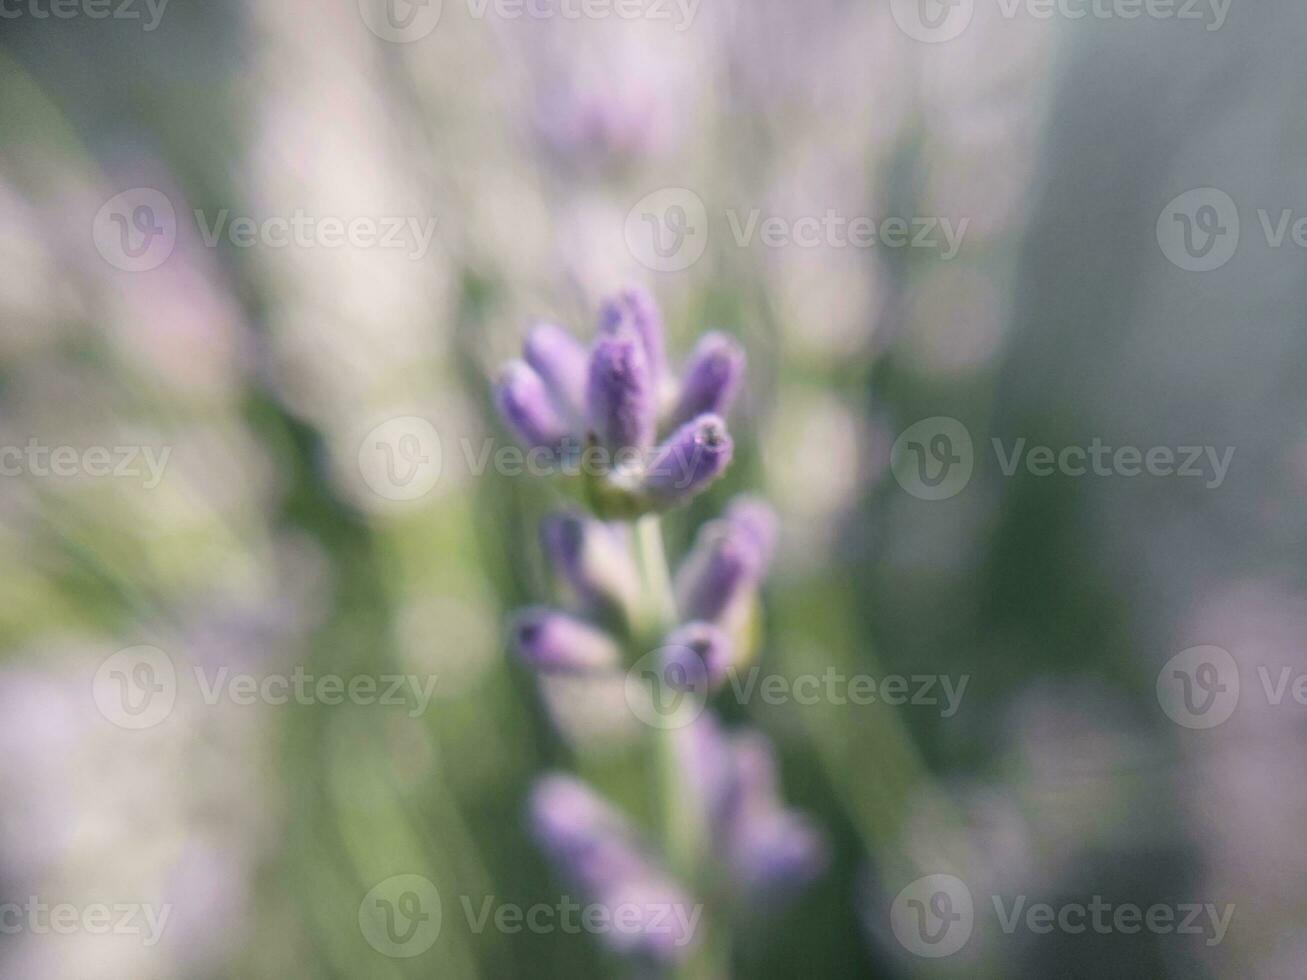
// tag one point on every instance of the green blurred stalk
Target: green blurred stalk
(680, 824)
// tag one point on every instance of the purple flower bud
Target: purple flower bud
(769, 851)
(633, 307)
(595, 847)
(554, 642)
(699, 650)
(591, 558)
(722, 568)
(756, 522)
(692, 457)
(774, 854)
(622, 406)
(712, 377)
(527, 408)
(561, 361)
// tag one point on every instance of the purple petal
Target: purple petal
(589, 556)
(700, 649)
(553, 641)
(712, 377)
(633, 307)
(720, 570)
(691, 458)
(620, 394)
(757, 526)
(595, 847)
(561, 361)
(527, 408)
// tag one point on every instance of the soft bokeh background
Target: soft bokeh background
(530, 141)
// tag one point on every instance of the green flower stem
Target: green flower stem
(684, 837)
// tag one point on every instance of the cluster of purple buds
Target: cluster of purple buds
(613, 400)
(603, 408)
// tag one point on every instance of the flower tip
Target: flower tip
(526, 407)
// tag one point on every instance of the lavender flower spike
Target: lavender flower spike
(527, 408)
(620, 394)
(635, 309)
(712, 377)
(692, 457)
(554, 642)
(561, 361)
(592, 559)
